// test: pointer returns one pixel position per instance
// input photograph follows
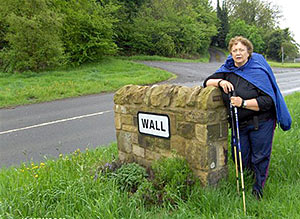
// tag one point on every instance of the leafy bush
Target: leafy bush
(170, 28)
(87, 29)
(31, 36)
(129, 176)
(40, 34)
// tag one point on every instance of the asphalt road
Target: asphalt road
(33, 132)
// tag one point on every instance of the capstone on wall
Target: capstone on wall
(198, 127)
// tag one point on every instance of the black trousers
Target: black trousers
(256, 148)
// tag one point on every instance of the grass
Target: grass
(105, 76)
(284, 65)
(65, 187)
(204, 58)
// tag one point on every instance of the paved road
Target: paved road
(34, 131)
(48, 129)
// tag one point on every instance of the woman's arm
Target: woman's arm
(213, 82)
(250, 104)
(224, 84)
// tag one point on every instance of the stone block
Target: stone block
(124, 141)
(161, 95)
(118, 123)
(129, 128)
(135, 120)
(217, 131)
(201, 133)
(180, 116)
(127, 119)
(223, 115)
(196, 116)
(209, 98)
(191, 97)
(181, 97)
(132, 110)
(201, 99)
(178, 144)
(134, 138)
(163, 152)
(212, 159)
(186, 130)
(124, 157)
(152, 155)
(215, 176)
(147, 101)
(212, 116)
(173, 127)
(142, 161)
(130, 94)
(139, 94)
(196, 154)
(224, 130)
(138, 151)
(122, 96)
(120, 109)
(147, 141)
(222, 154)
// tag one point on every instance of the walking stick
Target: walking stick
(234, 146)
(240, 154)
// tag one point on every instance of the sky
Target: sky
(291, 15)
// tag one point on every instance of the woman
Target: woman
(259, 103)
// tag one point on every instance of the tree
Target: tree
(172, 28)
(31, 36)
(240, 28)
(127, 11)
(223, 25)
(277, 39)
(88, 29)
(260, 13)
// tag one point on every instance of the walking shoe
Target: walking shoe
(257, 194)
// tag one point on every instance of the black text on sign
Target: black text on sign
(154, 124)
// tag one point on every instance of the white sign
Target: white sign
(154, 124)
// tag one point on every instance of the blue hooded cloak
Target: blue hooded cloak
(258, 72)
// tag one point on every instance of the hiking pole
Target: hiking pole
(240, 154)
(234, 146)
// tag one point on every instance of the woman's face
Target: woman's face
(239, 53)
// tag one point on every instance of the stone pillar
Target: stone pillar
(198, 127)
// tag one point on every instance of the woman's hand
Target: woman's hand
(236, 101)
(226, 86)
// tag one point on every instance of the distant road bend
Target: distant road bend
(31, 132)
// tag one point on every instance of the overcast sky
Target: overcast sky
(290, 9)
(291, 16)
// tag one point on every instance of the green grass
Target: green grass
(284, 65)
(204, 58)
(66, 188)
(108, 75)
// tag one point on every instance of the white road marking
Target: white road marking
(286, 92)
(54, 122)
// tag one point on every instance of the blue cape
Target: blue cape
(258, 72)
